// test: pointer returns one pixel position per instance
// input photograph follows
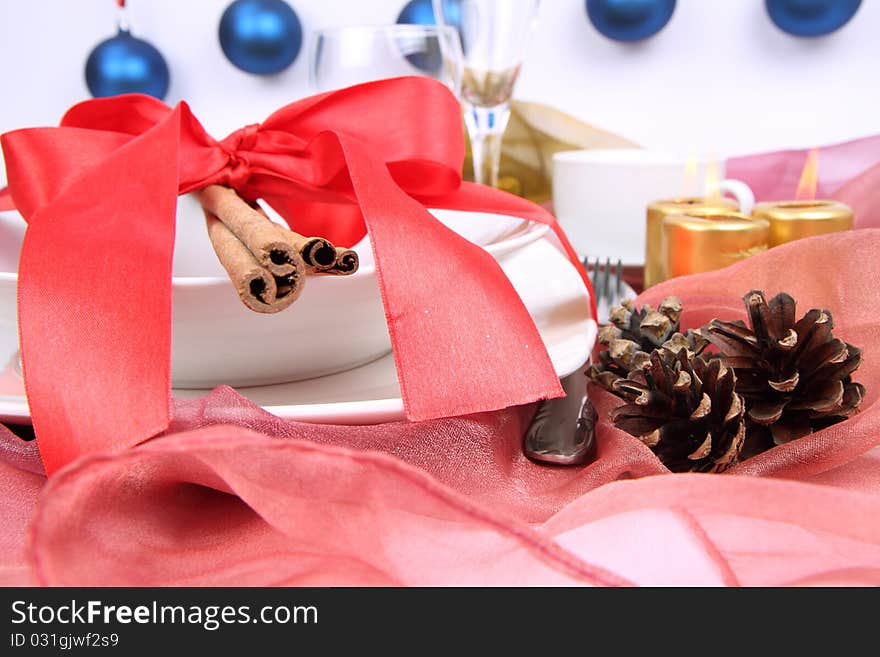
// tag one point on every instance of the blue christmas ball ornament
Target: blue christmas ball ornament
(629, 20)
(125, 64)
(260, 36)
(421, 12)
(810, 18)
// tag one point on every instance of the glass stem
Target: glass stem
(485, 127)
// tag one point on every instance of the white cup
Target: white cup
(600, 196)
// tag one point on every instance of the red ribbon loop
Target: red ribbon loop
(94, 277)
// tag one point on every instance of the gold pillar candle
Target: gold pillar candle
(705, 240)
(792, 220)
(657, 211)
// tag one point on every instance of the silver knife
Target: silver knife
(563, 431)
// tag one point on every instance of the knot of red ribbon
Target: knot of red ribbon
(236, 145)
(99, 194)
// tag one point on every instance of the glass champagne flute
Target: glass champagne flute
(493, 34)
(344, 56)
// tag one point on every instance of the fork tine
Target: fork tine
(618, 283)
(598, 286)
(594, 275)
(608, 284)
(606, 281)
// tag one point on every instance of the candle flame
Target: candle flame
(689, 184)
(806, 189)
(691, 178)
(711, 189)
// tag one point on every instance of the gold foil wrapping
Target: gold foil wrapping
(707, 239)
(792, 220)
(657, 211)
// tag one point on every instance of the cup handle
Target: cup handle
(741, 192)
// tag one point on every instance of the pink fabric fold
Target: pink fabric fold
(21, 480)
(480, 456)
(725, 530)
(848, 172)
(223, 505)
(774, 176)
(863, 195)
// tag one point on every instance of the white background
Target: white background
(719, 79)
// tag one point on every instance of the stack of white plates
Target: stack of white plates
(328, 357)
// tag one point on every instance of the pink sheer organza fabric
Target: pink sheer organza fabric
(774, 176)
(848, 172)
(232, 495)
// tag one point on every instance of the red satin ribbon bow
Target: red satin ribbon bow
(99, 194)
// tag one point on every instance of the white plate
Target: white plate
(549, 285)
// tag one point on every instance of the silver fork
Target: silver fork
(608, 285)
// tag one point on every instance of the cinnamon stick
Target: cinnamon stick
(318, 253)
(252, 228)
(347, 263)
(257, 287)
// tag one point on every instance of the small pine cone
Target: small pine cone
(693, 342)
(647, 327)
(685, 409)
(794, 375)
(634, 333)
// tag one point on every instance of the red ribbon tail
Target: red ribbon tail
(463, 340)
(95, 302)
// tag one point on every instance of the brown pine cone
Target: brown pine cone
(794, 375)
(685, 409)
(634, 333)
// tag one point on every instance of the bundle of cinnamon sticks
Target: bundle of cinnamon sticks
(266, 262)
